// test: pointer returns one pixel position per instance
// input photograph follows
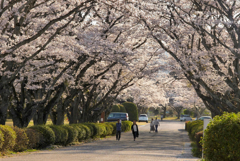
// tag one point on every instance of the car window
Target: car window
(123, 115)
(143, 116)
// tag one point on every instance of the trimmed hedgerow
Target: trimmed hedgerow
(126, 125)
(81, 131)
(61, 134)
(9, 138)
(72, 134)
(1, 139)
(132, 110)
(87, 130)
(34, 137)
(222, 137)
(113, 124)
(194, 127)
(94, 129)
(47, 133)
(115, 108)
(21, 140)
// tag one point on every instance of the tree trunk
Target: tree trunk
(164, 111)
(4, 106)
(60, 114)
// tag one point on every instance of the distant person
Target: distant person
(152, 126)
(134, 129)
(156, 123)
(161, 117)
(118, 130)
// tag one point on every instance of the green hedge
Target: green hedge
(72, 134)
(61, 134)
(1, 139)
(9, 136)
(122, 108)
(115, 108)
(195, 129)
(21, 140)
(222, 137)
(47, 133)
(132, 110)
(40, 136)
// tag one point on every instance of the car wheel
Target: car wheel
(146, 121)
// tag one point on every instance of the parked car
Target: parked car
(143, 118)
(185, 118)
(114, 116)
(203, 117)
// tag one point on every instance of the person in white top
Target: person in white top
(152, 126)
(156, 123)
(134, 129)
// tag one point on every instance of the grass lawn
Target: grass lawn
(9, 122)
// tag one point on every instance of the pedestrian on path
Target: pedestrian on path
(134, 129)
(152, 126)
(156, 123)
(118, 132)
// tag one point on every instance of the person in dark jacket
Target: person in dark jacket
(118, 131)
(134, 129)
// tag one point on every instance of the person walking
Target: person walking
(118, 132)
(156, 123)
(134, 129)
(152, 126)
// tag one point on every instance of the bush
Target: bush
(222, 137)
(87, 130)
(186, 125)
(132, 110)
(195, 150)
(122, 108)
(113, 125)
(1, 139)
(61, 134)
(194, 127)
(72, 134)
(115, 108)
(34, 137)
(126, 125)
(109, 128)
(9, 138)
(21, 140)
(81, 131)
(94, 129)
(47, 133)
(199, 137)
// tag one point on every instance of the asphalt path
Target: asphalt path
(171, 143)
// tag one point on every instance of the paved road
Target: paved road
(170, 144)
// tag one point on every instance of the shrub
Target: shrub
(94, 129)
(199, 137)
(126, 125)
(34, 137)
(186, 125)
(21, 140)
(132, 110)
(81, 131)
(194, 127)
(222, 137)
(61, 134)
(195, 150)
(87, 130)
(1, 139)
(9, 138)
(72, 134)
(113, 125)
(115, 108)
(109, 128)
(122, 108)
(47, 133)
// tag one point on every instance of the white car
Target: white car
(203, 117)
(185, 118)
(143, 118)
